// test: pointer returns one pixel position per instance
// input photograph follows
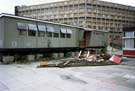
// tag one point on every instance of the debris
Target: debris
(48, 64)
(115, 59)
(43, 64)
(91, 58)
(83, 59)
(100, 60)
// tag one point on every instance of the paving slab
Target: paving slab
(3, 87)
(26, 77)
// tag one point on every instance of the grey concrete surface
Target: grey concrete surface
(27, 77)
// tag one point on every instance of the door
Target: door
(85, 40)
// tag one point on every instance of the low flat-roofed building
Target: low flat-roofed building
(22, 34)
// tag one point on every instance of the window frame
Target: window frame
(41, 30)
(56, 32)
(69, 33)
(32, 29)
(23, 28)
(49, 31)
(63, 32)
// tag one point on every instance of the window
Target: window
(32, 30)
(32, 27)
(50, 31)
(23, 32)
(31, 33)
(56, 35)
(69, 33)
(41, 30)
(129, 34)
(41, 33)
(117, 37)
(22, 28)
(49, 34)
(63, 35)
(63, 32)
(56, 32)
(129, 43)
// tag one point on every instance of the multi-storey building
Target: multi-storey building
(95, 14)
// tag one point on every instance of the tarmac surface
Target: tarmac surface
(26, 77)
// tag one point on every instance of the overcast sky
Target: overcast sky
(7, 6)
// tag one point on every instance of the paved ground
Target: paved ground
(100, 78)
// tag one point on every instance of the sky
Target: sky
(7, 6)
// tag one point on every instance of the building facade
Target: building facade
(129, 41)
(94, 14)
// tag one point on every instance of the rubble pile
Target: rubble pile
(84, 59)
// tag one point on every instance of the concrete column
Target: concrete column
(61, 55)
(1, 57)
(38, 57)
(30, 57)
(7, 59)
(55, 55)
(73, 54)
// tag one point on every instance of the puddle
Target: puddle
(72, 79)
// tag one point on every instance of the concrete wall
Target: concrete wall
(13, 39)
(98, 39)
(1, 32)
